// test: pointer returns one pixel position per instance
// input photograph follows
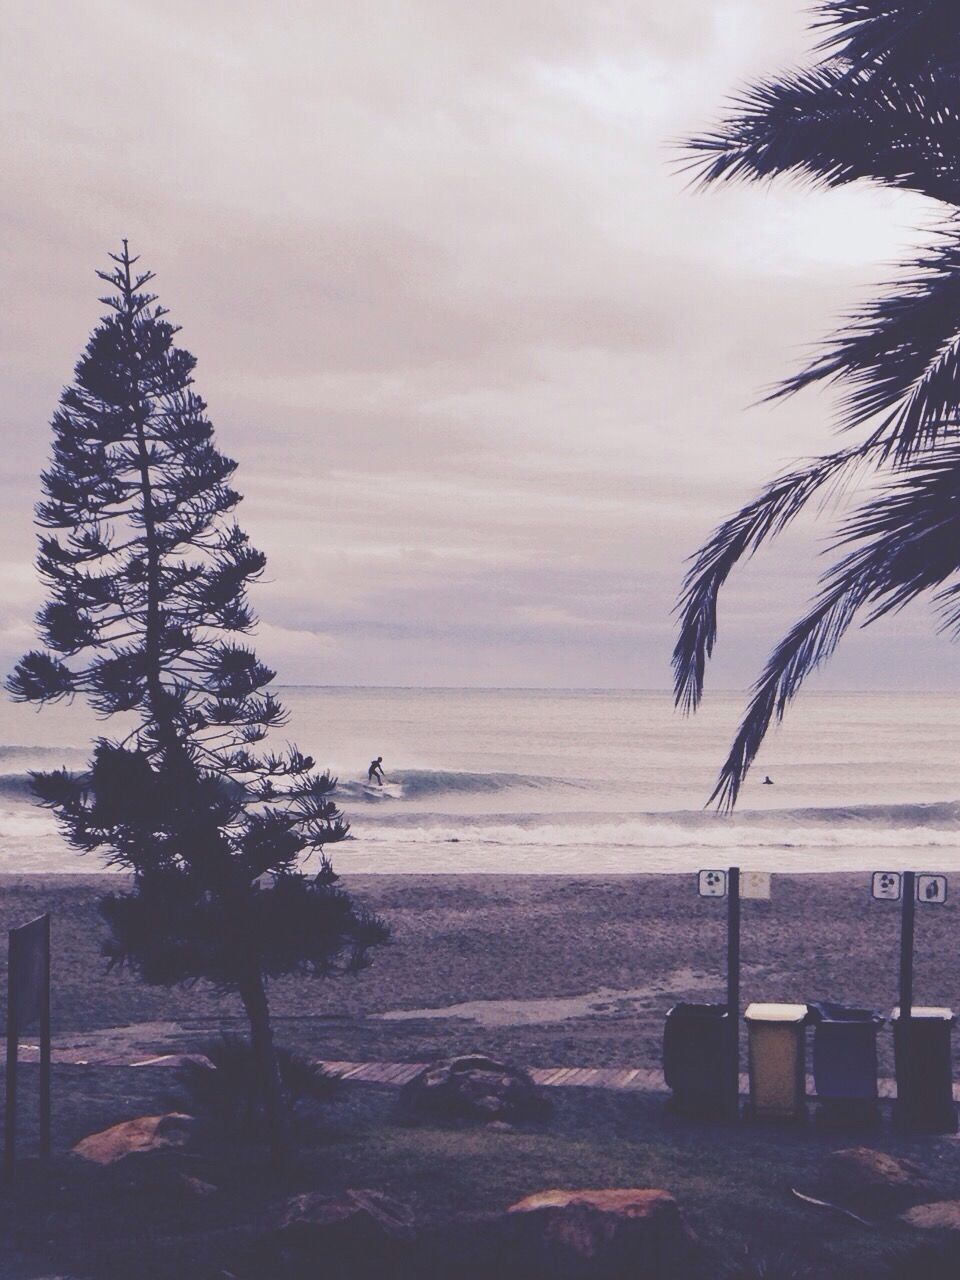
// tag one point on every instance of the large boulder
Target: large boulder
(317, 1217)
(146, 1135)
(871, 1182)
(943, 1215)
(616, 1232)
(368, 1233)
(473, 1087)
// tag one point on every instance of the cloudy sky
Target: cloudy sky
(485, 360)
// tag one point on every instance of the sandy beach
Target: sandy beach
(543, 970)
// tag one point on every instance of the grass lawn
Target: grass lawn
(733, 1184)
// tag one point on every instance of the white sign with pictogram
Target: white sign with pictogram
(887, 885)
(755, 884)
(931, 888)
(712, 884)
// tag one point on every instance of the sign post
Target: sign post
(731, 885)
(733, 990)
(908, 905)
(909, 888)
(28, 1003)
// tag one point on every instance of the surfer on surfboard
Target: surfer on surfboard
(375, 772)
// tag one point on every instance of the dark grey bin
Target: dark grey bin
(924, 1060)
(845, 1064)
(695, 1048)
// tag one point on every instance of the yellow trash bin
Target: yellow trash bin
(777, 1041)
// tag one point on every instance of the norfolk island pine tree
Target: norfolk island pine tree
(146, 577)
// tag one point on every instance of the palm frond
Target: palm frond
(836, 123)
(891, 33)
(899, 357)
(737, 539)
(906, 541)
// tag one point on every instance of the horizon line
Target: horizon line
(536, 688)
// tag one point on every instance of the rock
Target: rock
(145, 1135)
(368, 1233)
(473, 1087)
(870, 1181)
(943, 1215)
(317, 1218)
(603, 1233)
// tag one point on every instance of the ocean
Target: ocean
(577, 782)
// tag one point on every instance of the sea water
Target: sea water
(579, 781)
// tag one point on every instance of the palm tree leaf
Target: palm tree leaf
(736, 539)
(894, 33)
(900, 356)
(836, 123)
(908, 542)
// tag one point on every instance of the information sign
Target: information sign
(887, 885)
(931, 888)
(755, 884)
(712, 884)
(28, 1002)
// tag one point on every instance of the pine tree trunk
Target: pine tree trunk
(166, 730)
(254, 997)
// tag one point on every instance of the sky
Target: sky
(485, 358)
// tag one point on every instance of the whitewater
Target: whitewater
(576, 781)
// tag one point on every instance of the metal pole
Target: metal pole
(907, 911)
(10, 1105)
(733, 990)
(45, 1045)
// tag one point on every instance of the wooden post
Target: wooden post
(45, 1046)
(908, 903)
(733, 990)
(13, 1045)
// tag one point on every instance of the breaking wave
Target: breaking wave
(15, 784)
(866, 827)
(414, 784)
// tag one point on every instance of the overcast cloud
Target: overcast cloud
(484, 359)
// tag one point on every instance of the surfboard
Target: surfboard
(389, 790)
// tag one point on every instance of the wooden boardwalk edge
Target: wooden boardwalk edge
(634, 1079)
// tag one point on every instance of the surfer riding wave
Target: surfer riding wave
(375, 772)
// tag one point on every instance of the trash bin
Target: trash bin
(694, 1057)
(777, 1042)
(845, 1064)
(924, 1064)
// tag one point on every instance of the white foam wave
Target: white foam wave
(645, 834)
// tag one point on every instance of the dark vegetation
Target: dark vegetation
(147, 575)
(881, 105)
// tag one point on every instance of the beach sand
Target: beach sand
(543, 970)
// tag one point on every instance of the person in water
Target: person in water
(375, 771)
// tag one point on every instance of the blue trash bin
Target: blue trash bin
(845, 1064)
